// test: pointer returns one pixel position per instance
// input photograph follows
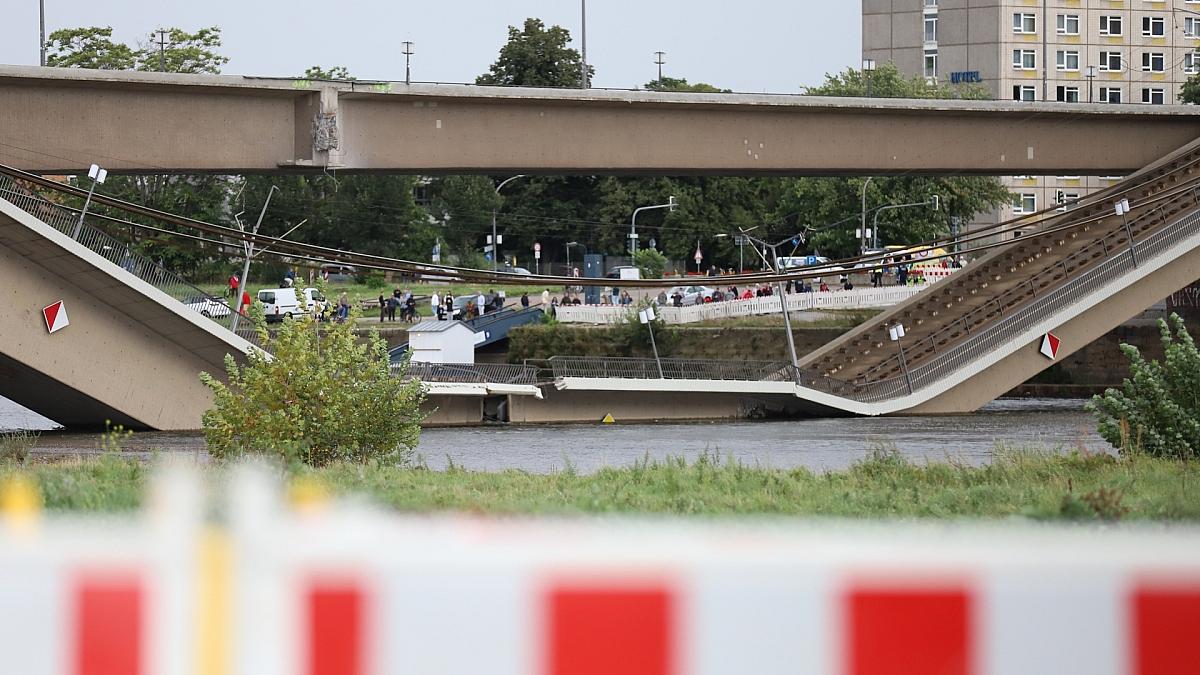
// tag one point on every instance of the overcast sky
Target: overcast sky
(745, 45)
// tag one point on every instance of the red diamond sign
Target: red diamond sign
(56, 316)
(1050, 343)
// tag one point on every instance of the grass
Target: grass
(1025, 484)
(15, 445)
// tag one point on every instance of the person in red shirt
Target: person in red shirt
(233, 285)
(245, 302)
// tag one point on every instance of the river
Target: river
(819, 444)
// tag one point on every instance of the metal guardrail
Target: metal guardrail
(476, 373)
(672, 369)
(66, 220)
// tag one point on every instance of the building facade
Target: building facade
(1073, 51)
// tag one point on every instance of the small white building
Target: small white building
(443, 342)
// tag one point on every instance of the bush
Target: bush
(1157, 409)
(320, 397)
(650, 262)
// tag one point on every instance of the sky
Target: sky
(747, 45)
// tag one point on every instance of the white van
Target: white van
(285, 303)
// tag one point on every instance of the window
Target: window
(1023, 93)
(1153, 26)
(1068, 94)
(1065, 199)
(931, 3)
(931, 63)
(1068, 60)
(931, 29)
(1110, 25)
(1110, 94)
(1191, 62)
(1110, 61)
(1153, 96)
(1153, 62)
(1068, 24)
(1191, 26)
(1026, 59)
(1026, 202)
(1024, 23)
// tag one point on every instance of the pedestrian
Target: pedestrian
(524, 300)
(662, 298)
(392, 303)
(343, 306)
(234, 282)
(383, 307)
(483, 302)
(245, 302)
(448, 302)
(410, 309)
(546, 298)
(435, 302)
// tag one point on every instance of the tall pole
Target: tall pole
(787, 320)
(495, 239)
(863, 228)
(659, 60)
(407, 53)
(42, 19)
(583, 74)
(243, 281)
(162, 50)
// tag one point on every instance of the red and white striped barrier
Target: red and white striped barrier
(348, 590)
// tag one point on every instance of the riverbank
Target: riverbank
(1021, 484)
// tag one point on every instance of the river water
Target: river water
(819, 444)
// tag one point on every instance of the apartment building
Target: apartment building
(1073, 51)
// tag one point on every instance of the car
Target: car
(286, 303)
(337, 273)
(624, 272)
(509, 269)
(692, 295)
(208, 306)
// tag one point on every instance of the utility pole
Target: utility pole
(162, 50)
(583, 74)
(42, 19)
(407, 53)
(659, 60)
(248, 245)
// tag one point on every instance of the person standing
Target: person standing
(383, 307)
(435, 304)
(448, 302)
(546, 298)
(525, 300)
(234, 282)
(343, 306)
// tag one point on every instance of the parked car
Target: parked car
(692, 295)
(339, 274)
(286, 303)
(624, 272)
(208, 306)
(509, 269)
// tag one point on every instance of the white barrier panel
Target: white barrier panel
(349, 590)
(858, 298)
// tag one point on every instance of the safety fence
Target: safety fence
(325, 588)
(671, 369)
(67, 221)
(490, 373)
(857, 298)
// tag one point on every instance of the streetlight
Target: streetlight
(647, 317)
(248, 246)
(1090, 74)
(787, 321)
(895, 333)
(862, 233)
(495, 239)
(933, 202)
(97, 175)
(407, 53)
(583, 74)
(633, 238)
(42, 21)
(868, 66)
(1122, 207)
(569, 244)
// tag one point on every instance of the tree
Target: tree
(650, 263)
(93, 48)
(681, 84)
(334, 73)
(183, 52)
(888, 82)
(322, 395)
(90, 47)
(1157, 409)
(1190, 91)
(536, 56)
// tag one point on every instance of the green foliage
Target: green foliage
(334, 73)
(681, 84)
(1157, 409)
(1190, 91)
(15, 445)
(888, 82)
(650, 262)
(321, 396)
(93, 47)
(632, 336)
(536, 56)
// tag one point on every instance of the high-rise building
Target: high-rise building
(1073, 51)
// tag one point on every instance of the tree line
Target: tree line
(405, 216)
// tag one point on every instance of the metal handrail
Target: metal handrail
(490, 373)
(66, 220)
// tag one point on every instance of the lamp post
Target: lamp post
(1090, 74)
(647, 317)
(97, 175)
(248, 246)
(895, 333)
(408, 52)
(583, 74)
(933, 202)
(787, 321)
(42, 23)
(868, 67)
(862, 232)
(1122, 208)
(569, 244)
(633, 237)
(496, 239)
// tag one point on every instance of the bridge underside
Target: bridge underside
(62, 120)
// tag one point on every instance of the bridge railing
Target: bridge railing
(1117, 262)
(475, 373)
(66, 220)
(672, 369)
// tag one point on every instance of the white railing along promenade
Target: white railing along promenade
(858, 298)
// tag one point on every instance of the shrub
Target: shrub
(1157, 409)
(650, 262)
(15, 445)
(320, 396)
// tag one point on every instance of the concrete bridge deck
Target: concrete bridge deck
(62, 120)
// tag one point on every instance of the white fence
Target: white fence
(858, 298)
(344, 589)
